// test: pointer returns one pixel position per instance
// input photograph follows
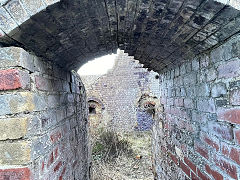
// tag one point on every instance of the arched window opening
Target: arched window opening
(92, 110)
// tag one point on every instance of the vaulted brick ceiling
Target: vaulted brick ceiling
(159, 33)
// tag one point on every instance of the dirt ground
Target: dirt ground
(136, 165)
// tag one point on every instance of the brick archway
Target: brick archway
(43, 103)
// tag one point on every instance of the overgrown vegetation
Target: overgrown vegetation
(109, 146)
(121, 156)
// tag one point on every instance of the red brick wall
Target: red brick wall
(43, 119)
(197, 135)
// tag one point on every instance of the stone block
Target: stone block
(206, 105)
(203, 90)
(7, 24)
(195, 64)
(14, 79)
(15, 153)
(16, 103)
(43, 84)
(15, 8)
(218, 90)
(190, 79)
(235, 97)
(211, 75)
(13, 128)
(231, 115)
(229, 69)
(188, 103)
(40, 101)
(33, 6)
(14, 56)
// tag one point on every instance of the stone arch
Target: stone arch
(95, 114)
(96, 100)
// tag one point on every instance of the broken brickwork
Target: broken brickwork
(119, 91)
(196, 136)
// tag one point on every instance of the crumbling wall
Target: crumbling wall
(120, 91)
(43, 119)
(197, 133)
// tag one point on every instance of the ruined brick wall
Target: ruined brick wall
(43, 119)
(197, 135)
(120, 91)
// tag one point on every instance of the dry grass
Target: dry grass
(115, 156)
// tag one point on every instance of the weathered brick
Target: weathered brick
(16, 153)
(14, 79)
(188, 103)
(13, 128)
(7, 24)
(56, 136)
(175, 159)
(195, 64)
(204, 61)
(193, 176)
(203, 90)
(14, 56)
(43, 84)
(185, 168)
(202, 175)
(216, 175)
(50, 159)
(226, 166)
(231, 115)
(211, 75)
(229, 69)
(199, 117)
(190, 164)
(206, 105)
(40, 101)
(16, 174)
(201, 149)
(218, 90)
(221, 131)
(235, 97)
(190, 79)
(33, 7)
(58, 166)
(237, 135)
(208, 140)
(17, 11)
(231, 152)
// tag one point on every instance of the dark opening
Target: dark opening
(92, 110)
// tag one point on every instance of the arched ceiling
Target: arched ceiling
(158, 33)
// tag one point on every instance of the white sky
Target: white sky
(98, 66)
